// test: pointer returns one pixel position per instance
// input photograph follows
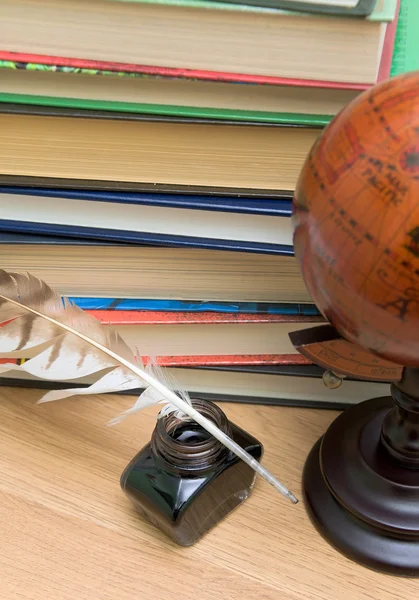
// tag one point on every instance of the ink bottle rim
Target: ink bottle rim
(185, 457)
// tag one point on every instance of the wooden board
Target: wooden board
(67, 531)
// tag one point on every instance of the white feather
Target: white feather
(151, 396)
(71, 343)
(116, 380)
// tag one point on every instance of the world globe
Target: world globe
(356, 221)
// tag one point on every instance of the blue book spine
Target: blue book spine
(191, 306)
(279, 207)
(140, 238)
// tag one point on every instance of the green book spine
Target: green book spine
(406, 45)
(171, 110)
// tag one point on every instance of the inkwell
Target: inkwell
(184, 480)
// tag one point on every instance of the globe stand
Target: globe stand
(361, 480)
(356, 240)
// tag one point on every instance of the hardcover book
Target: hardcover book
(281, 385)
(83, 88)
(203, 333)
(258, 225)
(208, 36)
(86, 268)
(344, 8)
(113, 146)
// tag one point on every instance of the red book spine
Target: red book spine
(387, 55)
(173, 72)
(152, 317)
(215, 360)
(138, 318)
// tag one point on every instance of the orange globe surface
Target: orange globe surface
(356, 220)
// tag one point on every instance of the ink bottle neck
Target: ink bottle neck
(183, 447)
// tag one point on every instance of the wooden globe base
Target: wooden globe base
(361, 481)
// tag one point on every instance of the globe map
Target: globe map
(356, 219)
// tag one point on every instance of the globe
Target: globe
(356, 220)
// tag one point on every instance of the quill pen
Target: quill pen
(67, 343)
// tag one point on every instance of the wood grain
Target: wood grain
(69, 532)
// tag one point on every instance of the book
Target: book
(202, 333)
(259, 225)
(212, 360)
(145, 303)
(160, 91)
(206, 333)
(99, 269)
(206, 35)
(377, 10)
(46, 62)
(83, 88)
(284, 385)
(134, 148)
(159, 305)
(344, 8)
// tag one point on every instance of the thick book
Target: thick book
(21, 242)
(207, 36)
(26, 244)
(206, 333)
(343, 8)
(125, 271)
(85, 88)
(281, 385)
(204, 338)
(149, 149)
(253, 225)
(63, 64)
(203, 333)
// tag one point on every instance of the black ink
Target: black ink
(413, 245)
(400, 305)
(184, 481)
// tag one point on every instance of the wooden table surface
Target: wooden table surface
(68, 532)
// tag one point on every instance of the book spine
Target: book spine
(93, 66)
(212, 360)
(279, 207)
(388, 49)
(147, 317)
(223, 114)
(143, 304)
(140, 238)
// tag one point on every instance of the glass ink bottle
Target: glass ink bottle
(184, 480)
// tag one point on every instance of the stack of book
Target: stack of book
(149, 153)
